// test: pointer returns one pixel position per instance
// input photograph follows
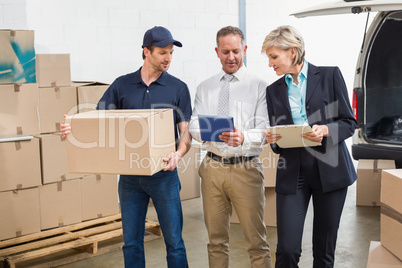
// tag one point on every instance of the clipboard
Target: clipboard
(211, 126)
(292, 136)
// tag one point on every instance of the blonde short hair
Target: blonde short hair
(286, 37)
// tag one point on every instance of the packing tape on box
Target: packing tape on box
(63, 177)
(15, 193)
(17, 88)
(18, 186)
(390, 212)
(98, 178)
(19, 131)
(59, 186)
(12, 33)
(61, 222)
(17, 145)
(100, 215)
(160, 114)
(58, 127)
(56, 87)
(18, 232)
(375, 165)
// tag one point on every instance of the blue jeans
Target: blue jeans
(134, 193)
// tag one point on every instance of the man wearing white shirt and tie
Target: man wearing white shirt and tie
(231, 172)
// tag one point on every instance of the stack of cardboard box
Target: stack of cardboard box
(388, 252)
(36, 190)
(59, 194)
(368, 186)
(379, 185)
(64, 197)
(19, 151)
(56, 95)
(391, 215)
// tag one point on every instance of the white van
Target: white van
(377, 93)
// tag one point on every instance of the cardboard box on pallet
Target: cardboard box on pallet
(132, 142)
(391, 211)
(99, 196)
(60, 204)
(54, 102)
(53, 70)
(89, 94)
(368, 186)
(17, 57)
(54, 159)
(18, 109)
(19, 212)
(19, 164)
(188, 173)
(380, 257)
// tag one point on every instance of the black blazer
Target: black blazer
(327, 103)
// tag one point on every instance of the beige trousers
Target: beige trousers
(241, 187)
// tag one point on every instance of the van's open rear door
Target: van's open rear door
(350, 7)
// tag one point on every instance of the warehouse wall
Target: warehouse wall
(330, 40)
(104, 37)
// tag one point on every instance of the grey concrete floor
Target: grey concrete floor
(359, 226)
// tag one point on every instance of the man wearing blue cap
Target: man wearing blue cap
(151, 87)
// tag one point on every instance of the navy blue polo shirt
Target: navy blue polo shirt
(130, 92)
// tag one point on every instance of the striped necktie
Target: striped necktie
(223, 104)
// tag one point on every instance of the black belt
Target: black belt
(230, 160)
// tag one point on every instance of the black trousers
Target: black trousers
(291, 214)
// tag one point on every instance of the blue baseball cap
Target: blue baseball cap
(160, 37)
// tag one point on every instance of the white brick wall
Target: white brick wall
(13, 13)
(104, 37)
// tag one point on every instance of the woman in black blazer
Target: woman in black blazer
(316, 96)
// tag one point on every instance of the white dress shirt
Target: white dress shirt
(247, 106)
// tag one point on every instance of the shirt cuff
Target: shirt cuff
(253, 139)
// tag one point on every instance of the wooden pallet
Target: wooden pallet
(69, 243)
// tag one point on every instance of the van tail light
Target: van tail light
(355, 106)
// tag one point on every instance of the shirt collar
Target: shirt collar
(239, 75)
(302, 74)
(137, 78)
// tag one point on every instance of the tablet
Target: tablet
(211, 126)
